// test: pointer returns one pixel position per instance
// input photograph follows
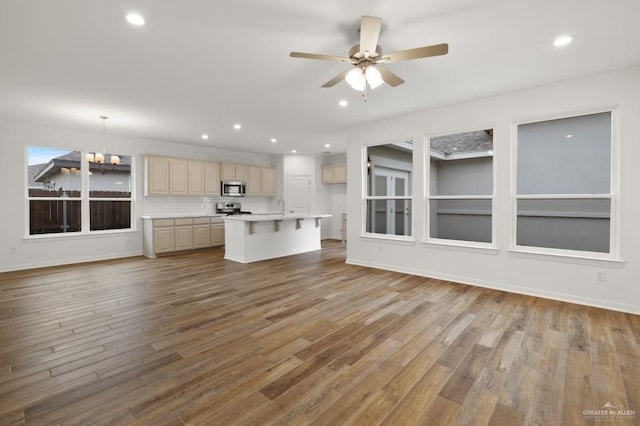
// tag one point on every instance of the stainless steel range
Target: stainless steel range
(230, 208)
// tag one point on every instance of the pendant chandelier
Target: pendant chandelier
(99, 157)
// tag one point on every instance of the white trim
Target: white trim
(364, 180)
(562, 196)
(563, 297)
(614, 216)
(77, 235)
(388, 238)
(570, 214)
(33, 265)
(470, 246)
(564, 254)
(85, 199)
(387, 197)
(460, 197)
(428, 197)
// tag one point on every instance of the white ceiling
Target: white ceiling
(199, 66)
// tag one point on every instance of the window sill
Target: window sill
(566, 257)
(483, 248)
(399, 239)
(77, 235)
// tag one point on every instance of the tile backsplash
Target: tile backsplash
(199, 205)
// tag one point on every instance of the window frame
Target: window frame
(366, 198)
(613, 195)
(85, 199)
(428, 197)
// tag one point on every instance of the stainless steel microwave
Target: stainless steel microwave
(230, 188)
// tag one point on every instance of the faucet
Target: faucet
(283, 210)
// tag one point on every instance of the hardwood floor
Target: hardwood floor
(194, 339)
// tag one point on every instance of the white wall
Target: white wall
(18, 252)
(548, 276)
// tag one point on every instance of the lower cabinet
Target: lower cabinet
(184, 234)
(170, 235)
(163, 239)
(201, 234)
(217, 231)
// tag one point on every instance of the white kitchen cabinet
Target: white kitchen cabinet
(195, 177)
(241, 172)
(217, 231)
(183, 234)
(254, 180)
(163, 238)
(268, 181)
(157, 176)
(334, 174)
(212, 179)
(201, 232)
(237, 172)
(178, 176)
(228, 171)
(168, 235)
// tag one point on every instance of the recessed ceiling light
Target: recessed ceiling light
(237, 126)
(205, 137)
(343, 103)
(273, 140)
(135, 19)
(293, 151)
(563, 41)
(327, 145)
(569, 136)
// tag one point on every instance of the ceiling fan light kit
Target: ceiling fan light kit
(368, 54)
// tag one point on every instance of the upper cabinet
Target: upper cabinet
(174, 176)
(157, 182)
(268, 181)
(196, 177)
(212, 179)
(232, 171)
(178, 176)
(334, 174)
(254, 180)
(261, 181)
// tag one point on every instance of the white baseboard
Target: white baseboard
(46, 264)
(563, 297)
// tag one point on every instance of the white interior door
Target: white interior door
(298, 198)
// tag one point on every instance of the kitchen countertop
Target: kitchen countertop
(278, 216)
(180, 215)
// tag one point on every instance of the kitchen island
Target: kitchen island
(250, 238)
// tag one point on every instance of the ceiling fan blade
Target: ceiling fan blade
(321, 57)
(418, 52)
(390, 78)
(369, 33)
(337, 79)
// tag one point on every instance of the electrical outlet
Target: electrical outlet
(601, 276)
(12, 250)
(380, 248)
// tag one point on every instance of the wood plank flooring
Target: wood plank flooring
(193, 339)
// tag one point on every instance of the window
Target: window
(389, 189)
(110, 195)
(57, 198)
(460, 188)
(563, 184)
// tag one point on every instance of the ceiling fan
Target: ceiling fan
(367, 56)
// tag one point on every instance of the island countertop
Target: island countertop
(271, 217)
